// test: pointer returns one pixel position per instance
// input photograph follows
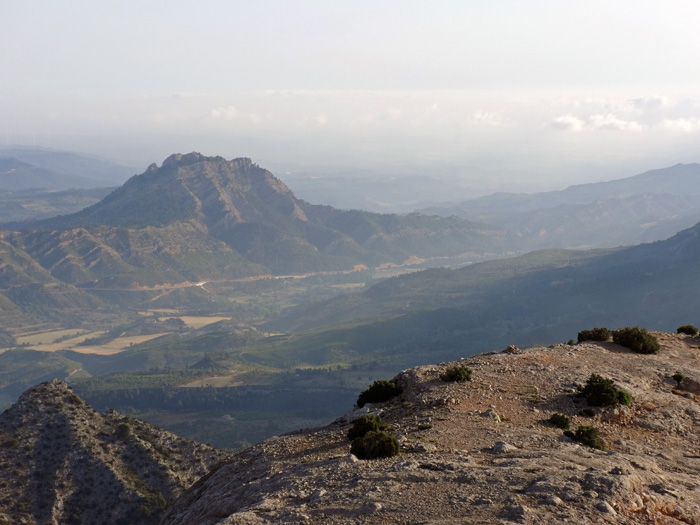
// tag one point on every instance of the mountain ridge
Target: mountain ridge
(71, 464)
(646, 207)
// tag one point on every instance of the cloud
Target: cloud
(612, 122)
(683, 125)
(567, 123)
(486, 118)
(653, 102)
(321, 119)
(598, 121)
(225, 113)
(254, 118)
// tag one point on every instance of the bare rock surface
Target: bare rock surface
(63, 462)
(516, 468)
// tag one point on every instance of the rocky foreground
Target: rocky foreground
(482, 451)
(63, 462)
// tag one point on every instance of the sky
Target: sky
(539, 94)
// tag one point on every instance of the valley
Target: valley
(231, 311)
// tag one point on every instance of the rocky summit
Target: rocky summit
(486, 451)
(63, 462)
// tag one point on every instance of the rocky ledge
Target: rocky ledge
(482, 451)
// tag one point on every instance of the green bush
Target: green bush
(364, 424)
(687, 329)
(457, 373)
(678, 378)
(375, 444)
(624, 397)
(637, 339)
(380, 391)
(601, 391)
(560, 421)
(596, 334)
(587, 435)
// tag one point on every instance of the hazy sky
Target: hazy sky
(561, 91)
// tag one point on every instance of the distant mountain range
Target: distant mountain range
(200, 218)
(37, 184)
(647, 207)
(64, 167)
(16, 175)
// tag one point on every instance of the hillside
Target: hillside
(483, 452)
(540, 295)
(65, 463)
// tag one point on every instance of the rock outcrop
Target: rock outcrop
(483, 452)
(63, 462)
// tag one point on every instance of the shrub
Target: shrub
(570, 342)
(587, 435)
(560, 421)
(587, 412)
(457, 373)
(375, 444)
(124, 431)
(364, 424)
(624, 397)
(637, 339)
(380, 391)
(687, 329)
(596, 334)
(678, 378)
(73, 399)
(601, 391)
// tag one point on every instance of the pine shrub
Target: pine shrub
(560, 421)
(380, 391)
(375, 444)
(596, 334)
(678, 378)
(457, 373)
(601, 391)
(637, 339)
(687, 329)
(587, 435)
(124, 431)
(365, 424)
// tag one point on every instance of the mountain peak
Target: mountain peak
(178, 160)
